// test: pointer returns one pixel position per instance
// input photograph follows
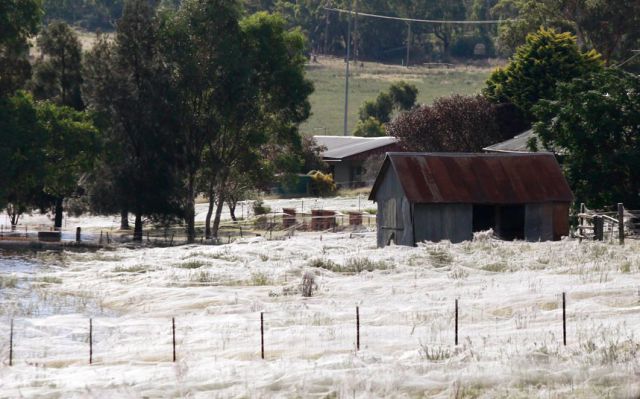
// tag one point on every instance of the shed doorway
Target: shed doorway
(507, 221)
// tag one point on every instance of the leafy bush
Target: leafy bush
(322, 184)
(370, 127)
(259, 208)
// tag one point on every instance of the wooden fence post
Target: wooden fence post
(564, 319)
(581, 221)
(173, 332)
(262, 334)
(11, 344)
(90, 341)
(357, 328)
(456, 327)
(598, 228)
(621, 223)
(78, 234)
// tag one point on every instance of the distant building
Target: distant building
(519, 143)
(449, 196)
(346, 154)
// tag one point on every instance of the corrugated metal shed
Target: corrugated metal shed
(340, 147)
(478, 178)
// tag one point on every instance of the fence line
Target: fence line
(374, 324)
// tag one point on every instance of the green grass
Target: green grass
(327, 101)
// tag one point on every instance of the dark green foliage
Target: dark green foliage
(312, 155)
(21, 156)
(58, 73)
(88, 14)
(128, 84)
(595, 122)
(69, 152)
(611, 27)
(370, 127)
(401, 96)
(19, 19)
(546, 59)
(450, 124)
(379, 109)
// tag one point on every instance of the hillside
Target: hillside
(327, 102)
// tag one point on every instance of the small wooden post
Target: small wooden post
(598, 228)
(564, 319)
(262, 334)
(456, 327)
(90, 341)
(357, 328)
(173, 332)
(581, 221)
(100, 240)
(78, 234)
(11, 344)
(621, 223)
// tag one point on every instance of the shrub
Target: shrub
(259, 208)
(322, 184)
(370, 127)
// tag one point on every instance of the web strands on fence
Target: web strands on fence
(307, 332)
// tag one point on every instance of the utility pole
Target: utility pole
(356, 35)
(326, 31)
(408, 41)
(346, 84)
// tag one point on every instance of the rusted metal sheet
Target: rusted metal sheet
(479, 178)
(560, 221)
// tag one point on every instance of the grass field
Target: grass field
(327, 102)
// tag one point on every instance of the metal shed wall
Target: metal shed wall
(394, 212)
(436, 222)
(538, 222)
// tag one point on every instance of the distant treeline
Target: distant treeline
(610, 27)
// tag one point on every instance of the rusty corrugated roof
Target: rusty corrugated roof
(478, 178)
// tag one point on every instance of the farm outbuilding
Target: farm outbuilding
(449, 196)
(346, 155)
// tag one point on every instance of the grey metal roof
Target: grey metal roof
(516, 144)
(339, 147)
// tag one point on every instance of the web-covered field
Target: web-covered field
(510, 322)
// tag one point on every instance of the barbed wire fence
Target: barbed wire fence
(562, 321)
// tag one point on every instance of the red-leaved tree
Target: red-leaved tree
(453, 124)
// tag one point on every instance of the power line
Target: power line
(430, 21)
(637, 53)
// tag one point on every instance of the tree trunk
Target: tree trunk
(232, 203)
(57, 224)
(216, 221)
(14, 216)
(137, 228)
(190, 210)
(207, 222)
(124, 220)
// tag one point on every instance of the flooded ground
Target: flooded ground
(30, 287)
